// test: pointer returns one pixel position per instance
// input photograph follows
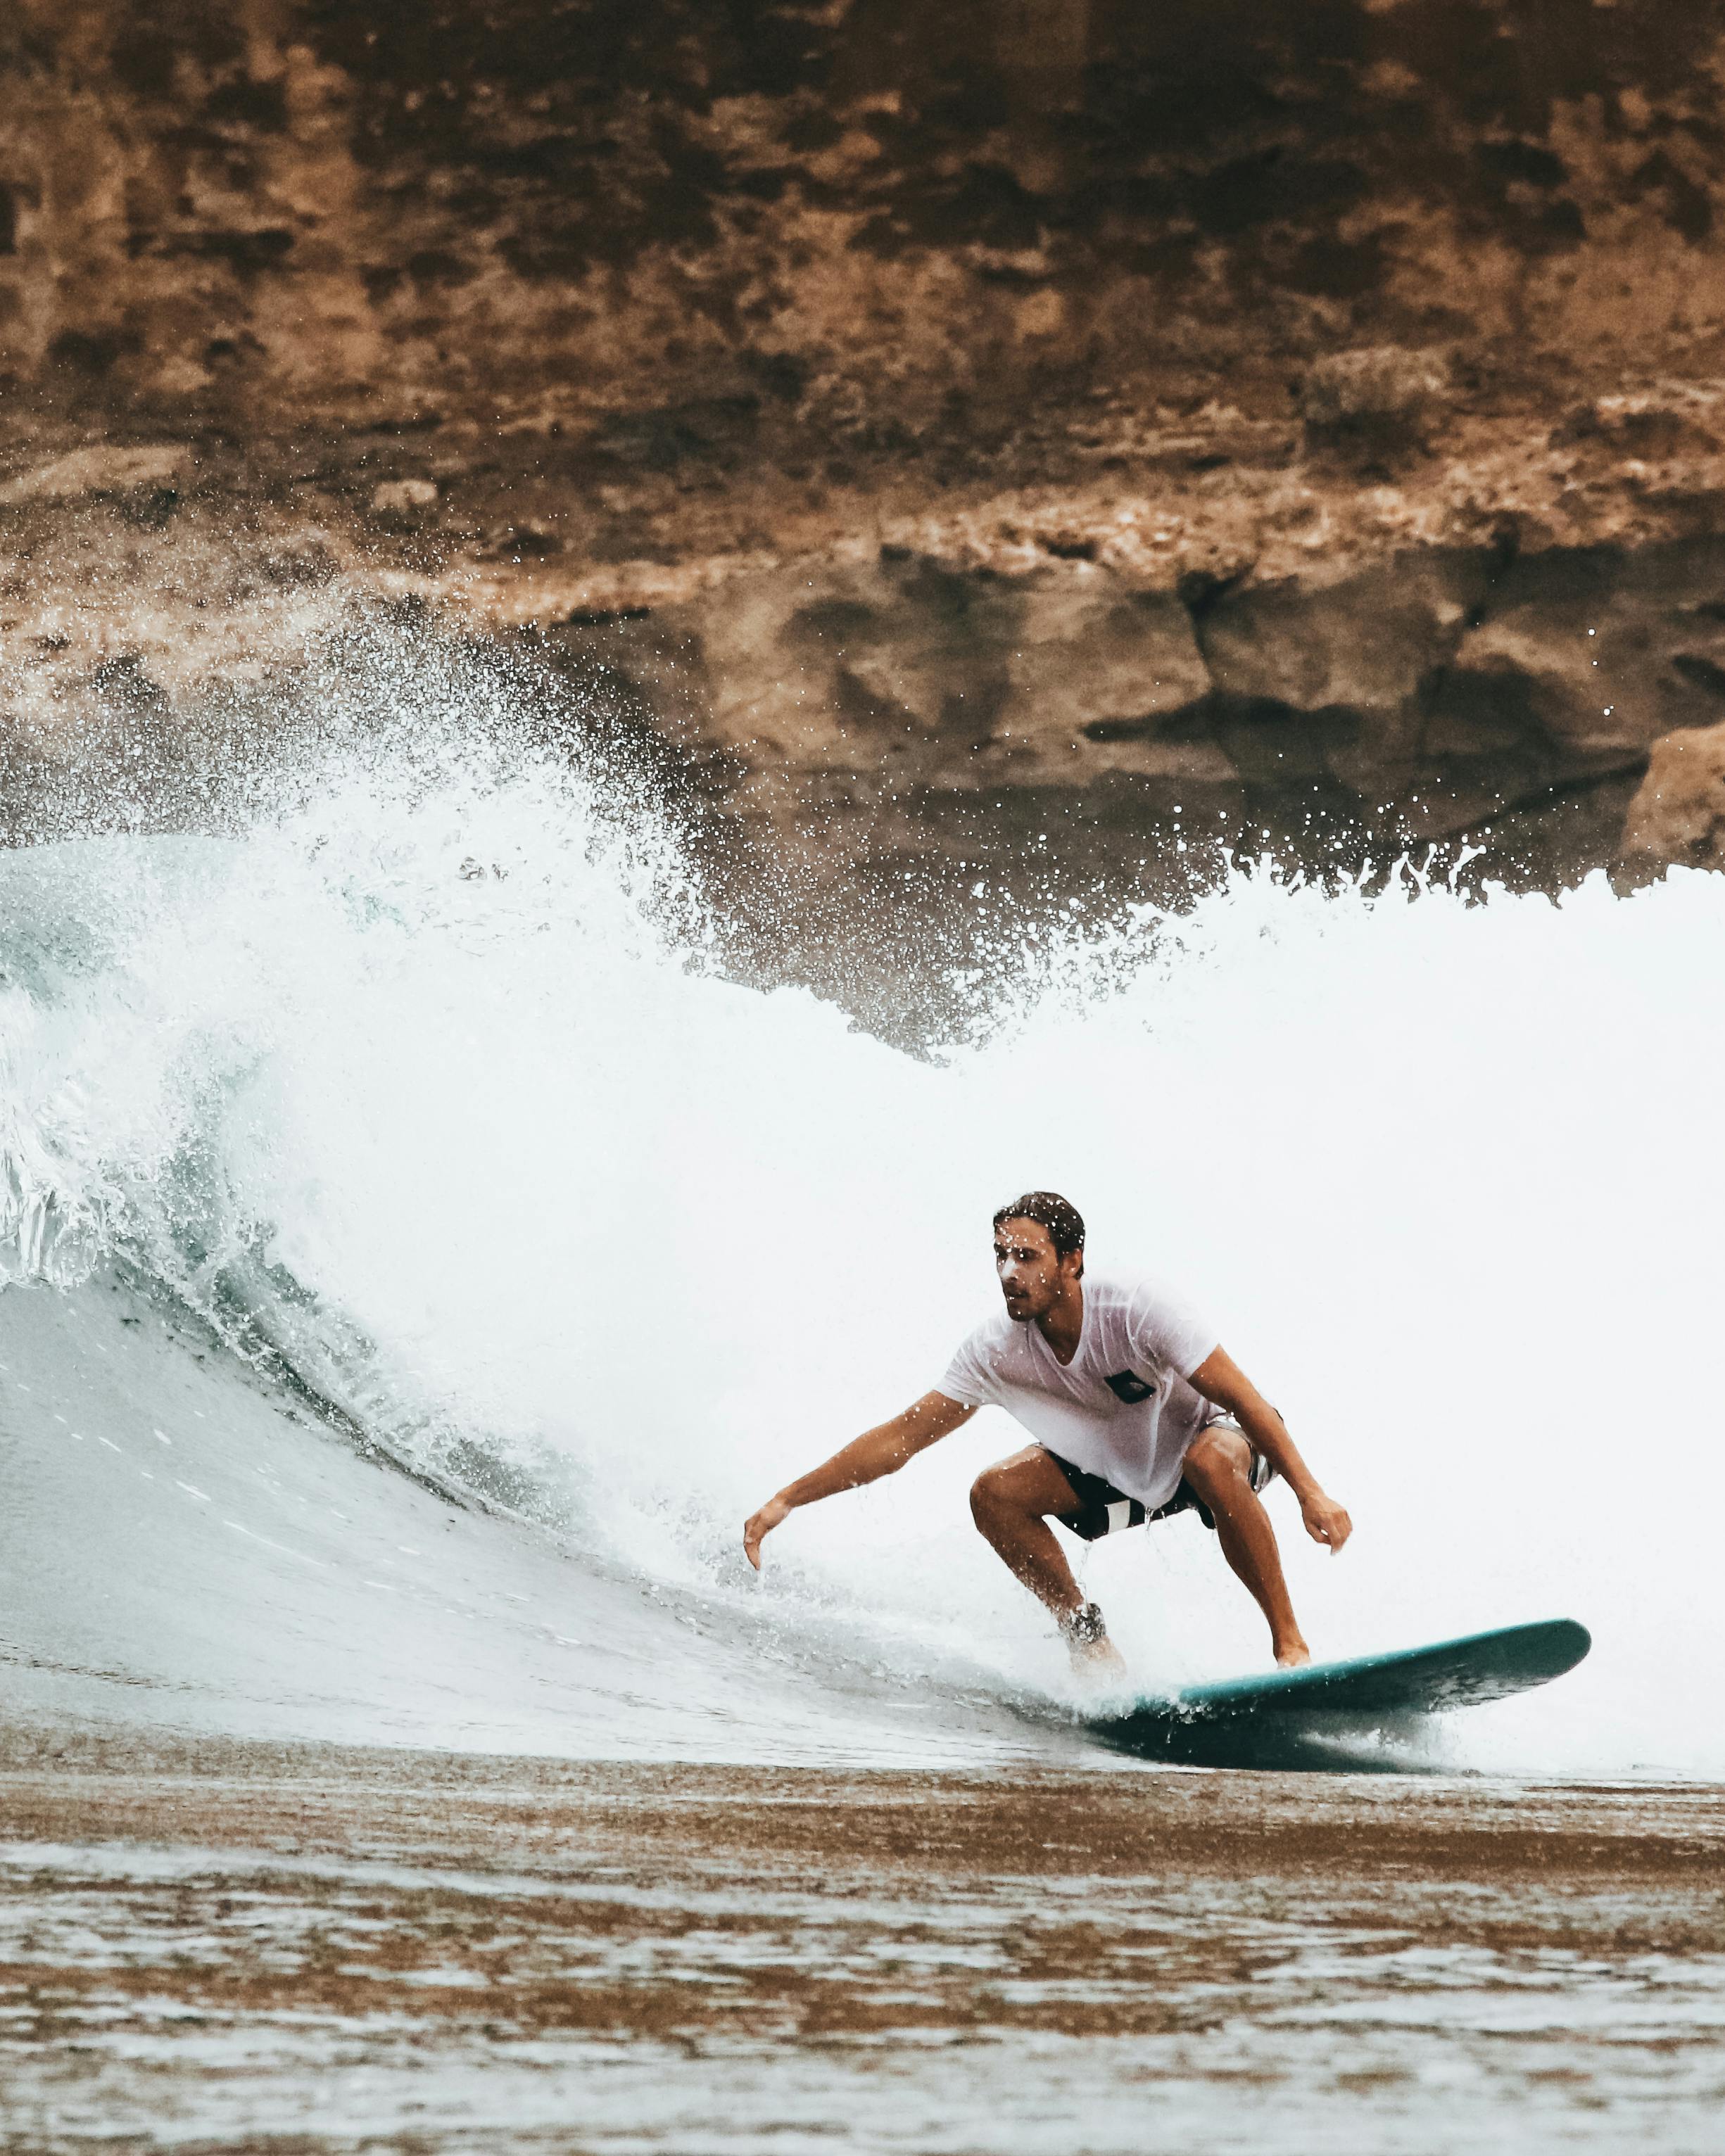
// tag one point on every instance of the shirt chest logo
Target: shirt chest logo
(1128, 1386)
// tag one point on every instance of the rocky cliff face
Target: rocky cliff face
(1059, 435)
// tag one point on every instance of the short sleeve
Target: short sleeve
(1169, 1332)
(969, 1378)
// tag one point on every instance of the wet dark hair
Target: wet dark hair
(1063, 1220)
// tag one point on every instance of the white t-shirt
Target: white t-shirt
(1122, 1407)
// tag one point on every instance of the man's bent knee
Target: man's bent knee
(1219, 1458)
(1001, 1492)
(987, 1496)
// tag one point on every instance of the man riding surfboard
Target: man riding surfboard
(1137, 1412)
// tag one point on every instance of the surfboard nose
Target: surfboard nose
(1558, 1645)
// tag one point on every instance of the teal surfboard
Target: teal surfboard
(1298, 1718)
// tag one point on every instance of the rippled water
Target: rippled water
(351, 1954)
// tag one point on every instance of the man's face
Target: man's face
(1031, 1276)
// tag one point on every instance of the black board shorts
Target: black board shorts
(1103, 1510)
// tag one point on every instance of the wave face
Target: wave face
(418, 1108)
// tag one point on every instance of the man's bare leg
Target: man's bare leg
(1012, 1503)
(1219, 1467)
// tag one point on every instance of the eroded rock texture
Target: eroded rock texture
(1066, 432)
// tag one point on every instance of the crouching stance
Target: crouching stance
(1138, 1414)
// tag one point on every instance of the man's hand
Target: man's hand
(759, 1525)
(1326, 1522)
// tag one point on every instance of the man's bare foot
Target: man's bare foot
(1097, 1664)
(1292, 1655)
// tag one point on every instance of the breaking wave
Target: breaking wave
(423, 1096)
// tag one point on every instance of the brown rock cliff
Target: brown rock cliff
(1062, 434)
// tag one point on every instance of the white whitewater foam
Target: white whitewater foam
(415, 1078)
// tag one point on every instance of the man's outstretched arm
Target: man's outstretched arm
(879, 1451)
(1220, 1378)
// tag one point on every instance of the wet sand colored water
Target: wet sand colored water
(232, 1948)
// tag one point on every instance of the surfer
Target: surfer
(1138, 1414)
